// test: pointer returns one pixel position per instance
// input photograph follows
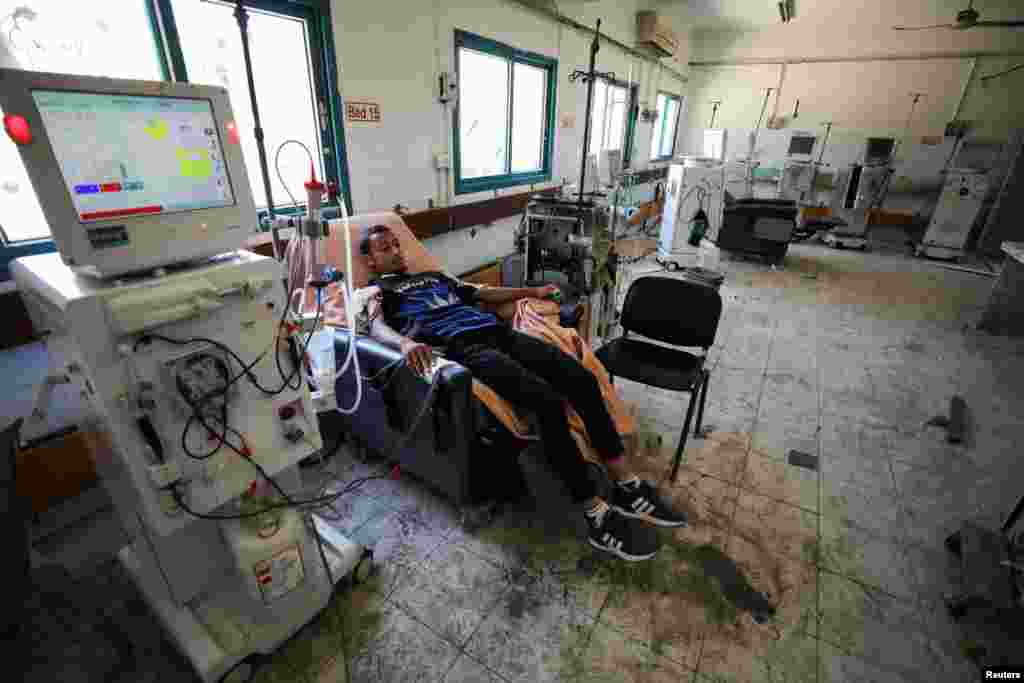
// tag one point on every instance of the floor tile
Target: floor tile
(452, 613)
(89, 542)
(837, 666)
(779, 529)
(792, 658)
(615, 658)
(406, 651)
(398, 538)
(530, 642)
(468, 670)
(782, 481)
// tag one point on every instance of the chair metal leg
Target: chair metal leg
(682, 437)
(703, 400)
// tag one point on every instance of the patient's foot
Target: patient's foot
(637, 499)
(625, 538)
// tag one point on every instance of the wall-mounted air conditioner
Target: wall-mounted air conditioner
(655, 31)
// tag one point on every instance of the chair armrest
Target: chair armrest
(440, 449)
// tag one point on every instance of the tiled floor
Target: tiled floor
(841, 355)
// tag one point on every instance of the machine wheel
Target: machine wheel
(244, 671)
(957, 608)
(952, 543)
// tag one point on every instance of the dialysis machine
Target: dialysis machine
(858, 189)
(797, 181)
(694, 187)
(174, 336)
(964, 190)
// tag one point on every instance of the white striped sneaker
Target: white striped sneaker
(639, 500)
(625, 538)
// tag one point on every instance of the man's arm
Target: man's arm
(419, 356)
(501, 295)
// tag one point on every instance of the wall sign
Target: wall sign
(365, 113)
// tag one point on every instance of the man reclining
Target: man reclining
(435, 310)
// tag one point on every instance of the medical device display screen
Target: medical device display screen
(128, 155)
(799, 145)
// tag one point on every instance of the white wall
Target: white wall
(391, 53)
(861, 94)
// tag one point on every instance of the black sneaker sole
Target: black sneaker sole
(663, 523)
(621, 555)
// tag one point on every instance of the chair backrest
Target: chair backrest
(672, 310)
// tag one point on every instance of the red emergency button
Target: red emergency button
(17, 128)
(233, 136)
(286, 412)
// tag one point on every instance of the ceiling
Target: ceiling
(748, 15)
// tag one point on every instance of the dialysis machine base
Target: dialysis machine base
(859, 189)
(692, 185)
(227, 592)
(959, 204)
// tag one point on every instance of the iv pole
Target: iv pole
(242, 17)
(588, 77)
(714, 112)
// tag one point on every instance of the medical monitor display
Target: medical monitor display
(878, 150)
(128, 155)
(800, 145)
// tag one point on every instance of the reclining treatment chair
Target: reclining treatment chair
(459, 447)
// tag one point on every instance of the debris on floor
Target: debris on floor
(801, 459)
(956, 423)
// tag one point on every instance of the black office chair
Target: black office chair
(673, 311)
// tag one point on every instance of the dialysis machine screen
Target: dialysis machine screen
(801, 145)
(126, 155)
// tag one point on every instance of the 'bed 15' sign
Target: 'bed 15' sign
(363, 112)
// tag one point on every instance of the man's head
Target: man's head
(382, 250)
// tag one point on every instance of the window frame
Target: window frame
(661, 132)
(167, 43)
(471, 41)
(632, 114)
(317, 15)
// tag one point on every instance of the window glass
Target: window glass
(92, 39)
(283, 77)
(663, 138)
(483, 113)
(529, 112)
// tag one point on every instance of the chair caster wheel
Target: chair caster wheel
(953, 544)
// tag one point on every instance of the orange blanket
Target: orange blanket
(529, 321)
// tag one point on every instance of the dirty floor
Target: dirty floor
(833, 572)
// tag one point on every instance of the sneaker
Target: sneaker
(639, 500)
(622, 537)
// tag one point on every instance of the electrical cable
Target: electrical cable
(277, 165)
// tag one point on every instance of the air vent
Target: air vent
(107, 237)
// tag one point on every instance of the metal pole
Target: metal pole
(714, 112)
(243, 20)
(594, 47)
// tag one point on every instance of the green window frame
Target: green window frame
(661, 129)
(512, 56)
(167, 43)
(317, 15)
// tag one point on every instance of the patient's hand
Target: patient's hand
(545, 292)
(419, 357)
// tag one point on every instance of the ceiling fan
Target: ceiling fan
(965, 19)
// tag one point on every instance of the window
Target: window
(612, 120)
(197, 41)
(663, 139)
(282, 69)
(63, 37)
(504, 115)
